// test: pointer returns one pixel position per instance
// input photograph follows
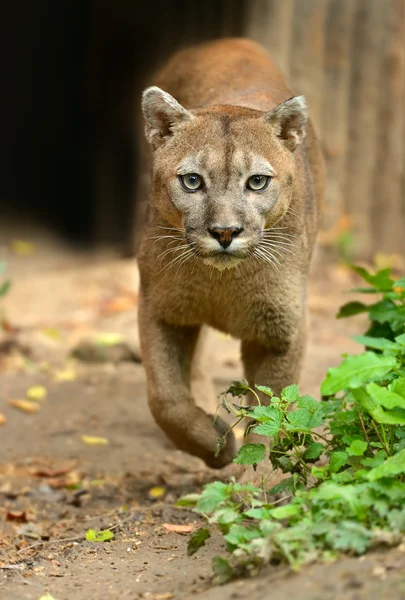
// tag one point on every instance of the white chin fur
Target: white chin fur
(221, 265)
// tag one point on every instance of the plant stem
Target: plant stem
(256, 396)
(363, 427)
(380, 438)
(300, 460)
(385, 439)
(321, 437)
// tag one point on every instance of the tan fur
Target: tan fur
(226, 119)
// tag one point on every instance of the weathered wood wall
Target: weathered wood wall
(347, 57)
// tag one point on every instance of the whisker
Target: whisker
(282, 241)
(268, 253)
(272, 249)
(269, 259)
(169, 250)
(275, 233)
(176, 259)
(277, 248)
(176, 229)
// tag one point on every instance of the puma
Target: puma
(237, 179)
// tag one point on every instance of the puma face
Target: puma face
(223, 174)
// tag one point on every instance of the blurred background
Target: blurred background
(72, 74)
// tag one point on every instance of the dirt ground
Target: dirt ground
(54, 486)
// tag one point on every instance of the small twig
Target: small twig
(119, 524)
(380, 438)
(77, 538)
(363, 428)
(47, 542)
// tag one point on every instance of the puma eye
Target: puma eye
(258, 183)
(191, 182)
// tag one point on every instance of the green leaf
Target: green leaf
(385, 397)
(313, 451)
(320, 472)
(381, 280)
(397, 520)
(378, 343)
(351, 308)
(308, 402)
(212, 496)
(356, 370)
(350, 535)
(291, 393)
(238, 534)
(394, 465)
(225, 516)
(222, 569)
(188, 500)
(197, 540)
(287, 484)
(258, 513)
(250, 454)
(92, 535)
(357, 448)
(5, 288)
(400, 283)
(364, 290)
(303, 419)
(398, 386)
(270, 418)
(337, 460)
(387, 311)
(374, 409)
(378, 458)
(268, 428)
(264, 389)
(238, 388)
(285, 512)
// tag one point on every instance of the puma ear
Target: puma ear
(289, 120)
(162, 113)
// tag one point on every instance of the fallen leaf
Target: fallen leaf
(52, 332)
(109, 339)
(93, 440)
(45, 472)
(37, 392)
(20, 516)
(3, 419)
(47, 596)
(66, 375)
(178, 528)
(156, 492)
(118, 304)
(165, 596)
(22, 248)
(197, 540)
(71, 480)
(6, 326)
(92, 535)
(28, 406)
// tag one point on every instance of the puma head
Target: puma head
(223, 174)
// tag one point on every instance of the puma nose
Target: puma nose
(225, 235)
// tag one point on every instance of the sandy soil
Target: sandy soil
(54, 486)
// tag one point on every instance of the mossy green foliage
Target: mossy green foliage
(343, 458)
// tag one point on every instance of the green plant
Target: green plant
(4, 285)
(4, 289)
(343, 458)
